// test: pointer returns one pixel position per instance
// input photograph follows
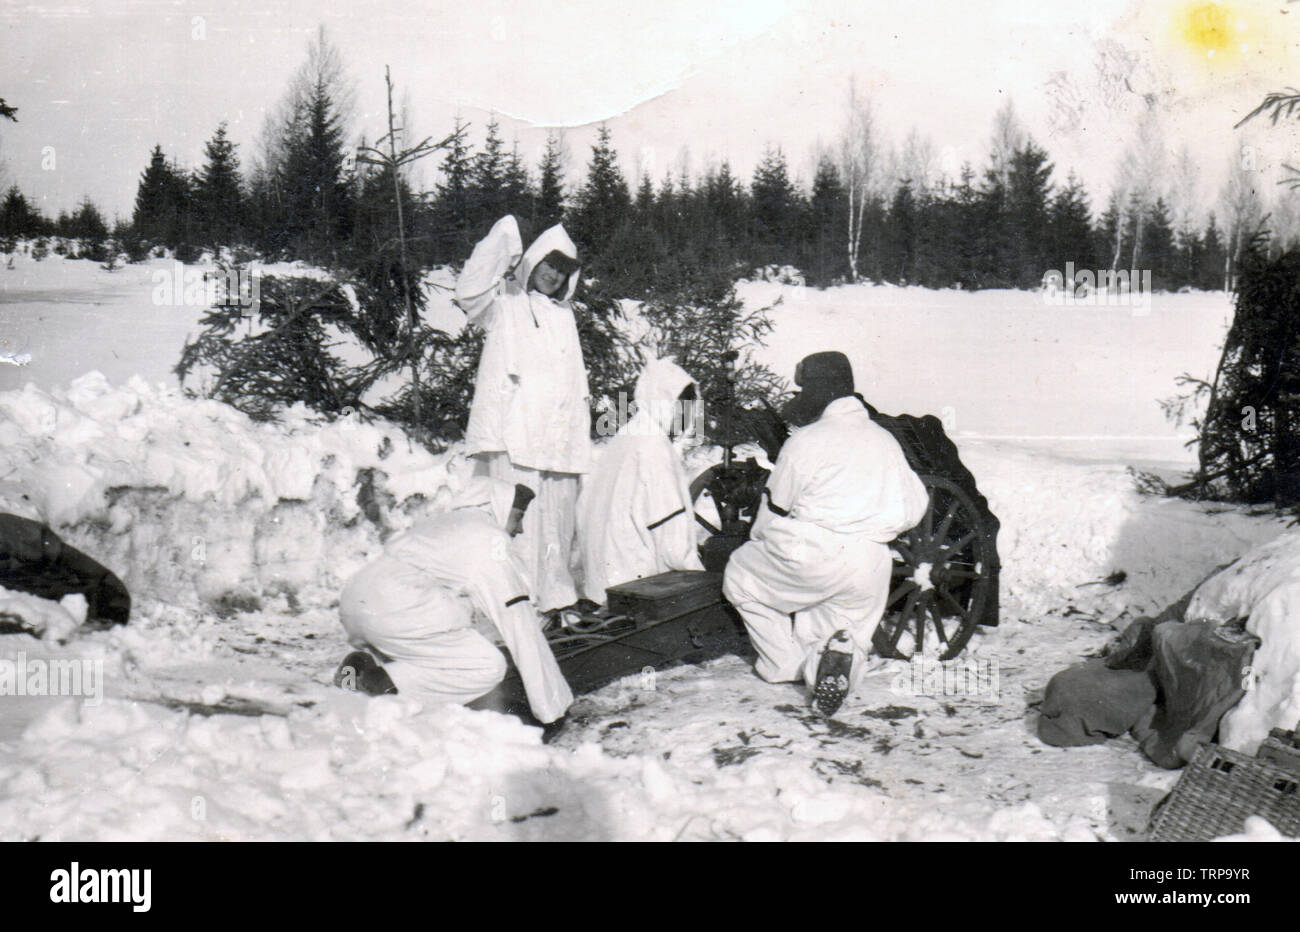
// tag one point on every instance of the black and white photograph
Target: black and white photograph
(768, 420)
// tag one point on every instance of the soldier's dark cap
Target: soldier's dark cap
(822, 378)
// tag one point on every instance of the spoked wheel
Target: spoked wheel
(940, 588)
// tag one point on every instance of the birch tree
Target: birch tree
(859, 155)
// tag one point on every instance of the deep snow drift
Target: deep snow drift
(235, 538)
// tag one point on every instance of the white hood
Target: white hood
(657, 389)
(554, 239)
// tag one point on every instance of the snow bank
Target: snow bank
(1068, 525)
(187, 497)
(352, 768)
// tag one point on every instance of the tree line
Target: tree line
(866, 215)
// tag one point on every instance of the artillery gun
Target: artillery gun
(944, 582)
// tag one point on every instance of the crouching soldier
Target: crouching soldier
(812, 581)
(414, 607)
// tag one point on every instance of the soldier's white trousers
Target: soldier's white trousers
(827, 581)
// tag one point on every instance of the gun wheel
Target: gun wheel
(940, 586)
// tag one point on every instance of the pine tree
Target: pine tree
(719, 222)
(1158, 246)
(17, 218)
(1189, 252)
(300, 195)
(776, 210)
(88, 225)
(1209, 271)
(162, 203)
(967, 239)
(550, 186)
(1071, 228)
(900, 237)
(518, 186)
(1027, 215)
(318, 202)
(826, 210)
(219, 200)
(488, 181)
(645, 200)
(451, 213)
(603, 201)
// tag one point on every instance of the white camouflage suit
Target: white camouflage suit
(635, 515)
(415, 605)
(840, 492)
(530, 421)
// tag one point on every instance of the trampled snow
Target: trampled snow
(235, 538)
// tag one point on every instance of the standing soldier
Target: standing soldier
(530, 421)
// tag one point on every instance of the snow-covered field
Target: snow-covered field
(235, 538)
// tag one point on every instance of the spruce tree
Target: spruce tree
(603, 201)
(900, 236)
(1071, 228)
(550, 185)
(1158, 246)
(318, 203)
(17, 218)
(776, 210)
(826, 212)
(1027, 216)
(967, 235)
(162, 203)
(1209, 271)
(451, 213)
(1189, 250)
(993, 256)
(88, 225)
(518, 187)
(218, 198)
(488, 181)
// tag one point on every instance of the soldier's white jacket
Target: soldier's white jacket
(843, 473)
(464, 552)
(530, 394)
(635, 516)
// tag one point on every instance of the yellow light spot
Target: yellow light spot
(1205, 26)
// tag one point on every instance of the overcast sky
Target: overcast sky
(98, 83)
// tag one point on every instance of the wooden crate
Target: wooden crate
(666, 596)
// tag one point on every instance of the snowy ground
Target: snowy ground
(235, 538)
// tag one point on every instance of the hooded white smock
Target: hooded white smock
(842, 490)
(635, 515)
(530, 393)
(406, 597)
